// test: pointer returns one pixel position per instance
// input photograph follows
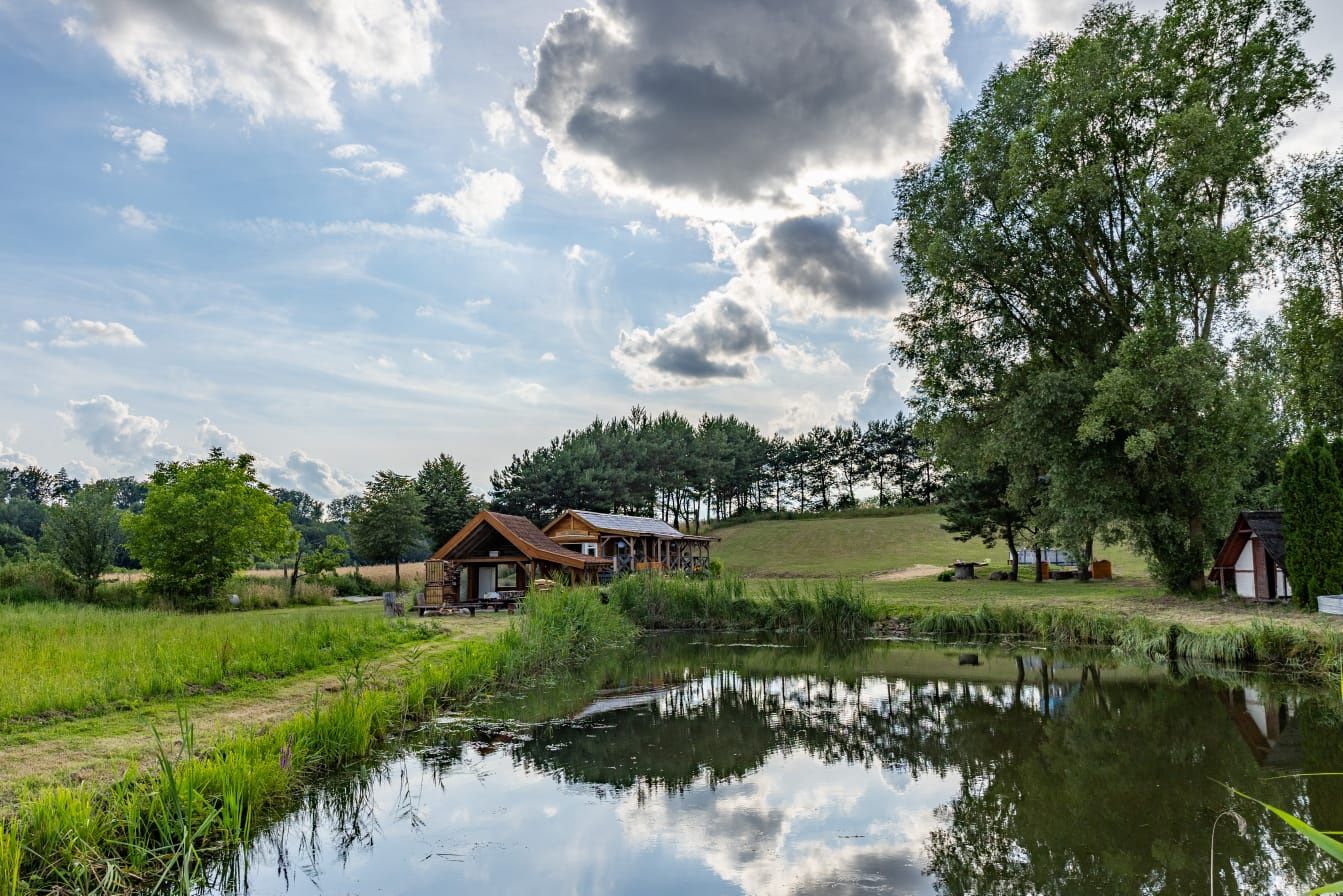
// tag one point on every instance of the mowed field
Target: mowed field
(863, 547)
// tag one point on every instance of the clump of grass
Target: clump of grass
(73, 659)
(824, 609)
(152, 828)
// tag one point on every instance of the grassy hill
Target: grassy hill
(862, 546)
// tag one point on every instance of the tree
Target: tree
(1312, 310)
(448, 501)
(388, 521)
(85, 534)
(978, 507)
(327, 559)
(1312, 494)
(1116, 181)
(202, 522)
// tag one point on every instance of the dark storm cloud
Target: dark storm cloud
(718, 339)
(741, 102)
(826, 262)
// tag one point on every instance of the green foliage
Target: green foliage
(40, 579)
(824, 609)
(353, 585)
(448, 501)
(1092, 227)
(201, 523)
(1312, 493)
(79, 659)
(203, 801)
(84, 534)
(389, 520)
(332, 555)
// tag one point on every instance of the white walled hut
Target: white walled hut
(1253, 559)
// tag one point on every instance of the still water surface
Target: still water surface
(694, 767)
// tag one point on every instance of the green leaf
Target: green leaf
(1335, 887)
(1325, 843)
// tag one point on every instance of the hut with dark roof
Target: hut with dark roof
(1252, 561)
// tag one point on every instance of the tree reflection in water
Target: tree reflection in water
(1070, 775)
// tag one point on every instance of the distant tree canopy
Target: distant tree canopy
(202, 522)
(85, 534)
(448, 501)
(685, 473)
(1079, 254)
(388, 520)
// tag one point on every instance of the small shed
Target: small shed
(630, 543)
(1253, 559)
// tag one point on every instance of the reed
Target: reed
(154, 828)
(828, 609)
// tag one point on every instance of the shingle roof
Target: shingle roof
(524, 535)
(629, 525)
(1267, 525)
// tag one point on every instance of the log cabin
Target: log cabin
(496, 557)
(1252, 560)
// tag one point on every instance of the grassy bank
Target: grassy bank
(154, 827)
(64, 659)
(856, 546)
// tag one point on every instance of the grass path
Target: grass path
(97, 749)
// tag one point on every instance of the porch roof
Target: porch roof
(518, 531)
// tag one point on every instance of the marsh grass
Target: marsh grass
(154, 828)
(825, 609)
(68, 659)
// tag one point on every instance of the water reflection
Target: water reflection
(893, 768)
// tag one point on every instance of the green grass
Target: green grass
(155, 828)
(852, 547)
(59, 659)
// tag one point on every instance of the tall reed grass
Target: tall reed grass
(154, 828)
(829, 609)
(73, 659)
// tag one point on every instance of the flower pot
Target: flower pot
(1331, 604)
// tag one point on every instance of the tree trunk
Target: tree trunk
(293, 574)
(1084, 568)
(1011, 537)
(1199, 580)
(1039, 567)
(397, 565)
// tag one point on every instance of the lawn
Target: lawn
(65, 659)
(854, 547)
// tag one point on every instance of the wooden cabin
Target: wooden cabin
(493, 559)
(1252, 560)
(630, 543)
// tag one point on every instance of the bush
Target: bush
(353, 584)
(945, 575)
(39, 579)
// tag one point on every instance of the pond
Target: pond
(701, 767)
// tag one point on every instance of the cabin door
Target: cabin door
(486, 581)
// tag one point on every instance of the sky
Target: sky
(346, 237)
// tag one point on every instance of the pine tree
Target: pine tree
(1312, 494)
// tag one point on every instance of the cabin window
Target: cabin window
(589, 548)
(506, 576)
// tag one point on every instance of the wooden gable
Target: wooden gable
(569, 526)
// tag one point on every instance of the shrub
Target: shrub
(353, 584)
(39, 579)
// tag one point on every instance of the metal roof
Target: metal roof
(629, 525)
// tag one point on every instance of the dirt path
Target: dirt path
(918, 571)
(100, 748)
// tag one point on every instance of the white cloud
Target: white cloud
(529, 393)
(149, 145)
(425, 311)
(546, 357)
(381, 169)
(208, 436)
(363, 312)
(352, 150)
(478, 303)
(483, 199)
(296, 470)
(308, 474)
(77, 469)
(879, 398)
(637, 227)
(500, 124)
(719, 339)
(271, 58)
(805, 358)
(13, 457)
(105, 168)
(83, 333)
(31, 326)
(423, 355)
(133, 217)
(578, 255)
(107, 426)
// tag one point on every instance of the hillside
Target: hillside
(862, 546)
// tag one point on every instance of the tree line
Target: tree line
(692, 473)
(1080, 259)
